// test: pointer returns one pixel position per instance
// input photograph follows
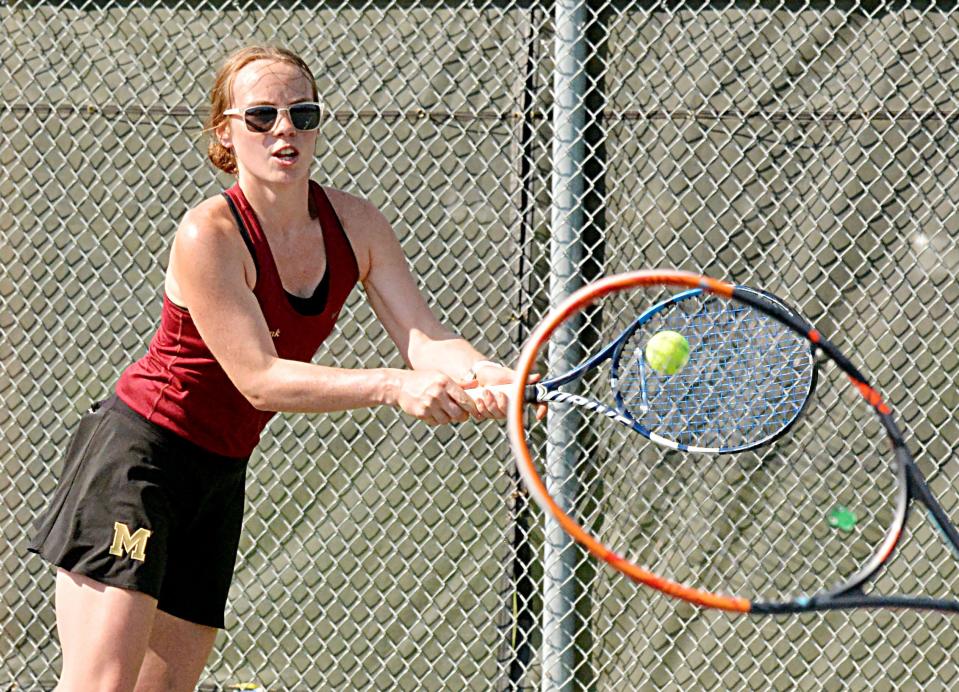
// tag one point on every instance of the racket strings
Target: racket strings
(746, 379)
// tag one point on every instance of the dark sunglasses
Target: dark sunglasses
(304, 116)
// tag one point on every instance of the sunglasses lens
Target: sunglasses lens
(260, 118)
(305, 116)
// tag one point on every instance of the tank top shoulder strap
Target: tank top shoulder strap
(334, 236)
(229, 196)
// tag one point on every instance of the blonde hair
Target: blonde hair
(221, 96)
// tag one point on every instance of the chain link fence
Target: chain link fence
(807, 148)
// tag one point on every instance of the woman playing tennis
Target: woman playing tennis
(145, 523)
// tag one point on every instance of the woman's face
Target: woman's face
(283, 154)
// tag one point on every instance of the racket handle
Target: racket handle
(530, 394)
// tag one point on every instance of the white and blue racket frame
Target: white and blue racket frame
(548, 390)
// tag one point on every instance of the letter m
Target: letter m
(124, 542)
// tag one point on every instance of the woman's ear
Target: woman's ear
(223, 135)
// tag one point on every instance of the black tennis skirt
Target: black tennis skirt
(141, 508)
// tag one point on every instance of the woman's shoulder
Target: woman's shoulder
(212, 213)
(209, 226)
(354, 210)
(210, 221)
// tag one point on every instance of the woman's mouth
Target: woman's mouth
(286, 156)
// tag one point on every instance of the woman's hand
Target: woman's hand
(492, 404)
(433, 397)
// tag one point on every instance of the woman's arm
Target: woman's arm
(423, 341)
(210, 281)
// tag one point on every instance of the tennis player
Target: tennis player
(145, 523)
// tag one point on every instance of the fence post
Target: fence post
(566, 255)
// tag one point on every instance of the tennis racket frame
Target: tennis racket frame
(848, 593)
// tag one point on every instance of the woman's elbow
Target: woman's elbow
(258, 400)
(257, 392)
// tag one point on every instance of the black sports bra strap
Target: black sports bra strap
(243, 231)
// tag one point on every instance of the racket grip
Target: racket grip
(529, 393)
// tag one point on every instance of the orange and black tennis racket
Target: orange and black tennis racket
(806, 522)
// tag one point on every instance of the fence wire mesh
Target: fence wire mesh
(807, 148)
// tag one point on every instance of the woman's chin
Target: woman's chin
(274, 175)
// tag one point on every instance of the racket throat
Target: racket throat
(558, 397)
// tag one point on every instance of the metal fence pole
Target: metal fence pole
(566, 253)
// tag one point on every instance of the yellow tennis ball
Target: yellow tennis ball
(667, 352)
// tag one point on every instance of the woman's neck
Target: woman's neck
(280, 208)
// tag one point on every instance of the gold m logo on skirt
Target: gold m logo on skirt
(124, 542)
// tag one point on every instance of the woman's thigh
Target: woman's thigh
(176, 654)
(104, 632)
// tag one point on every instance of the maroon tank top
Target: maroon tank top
(180, 386)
